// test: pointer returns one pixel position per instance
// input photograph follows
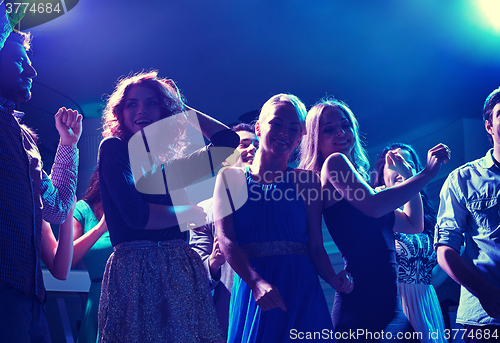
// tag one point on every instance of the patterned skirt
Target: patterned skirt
(421, 306)
(156, 292)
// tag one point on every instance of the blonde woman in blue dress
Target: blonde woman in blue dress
(274, 241)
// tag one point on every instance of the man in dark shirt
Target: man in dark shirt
(28, 195)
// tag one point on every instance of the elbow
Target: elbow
(59, 215)
(225, 137)
(60, 275)
(444, 253)
(74, 263)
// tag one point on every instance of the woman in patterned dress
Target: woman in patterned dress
(415, 254)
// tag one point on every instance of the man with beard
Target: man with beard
(28, 195)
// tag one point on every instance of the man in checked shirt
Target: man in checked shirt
(28, 195)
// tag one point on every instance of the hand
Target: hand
(267, 296)
(216, 258)
(437, 155)
(397, 163)
(196, 217)
(343, 282)
(69, 126)
(490, 301)
(380, 188)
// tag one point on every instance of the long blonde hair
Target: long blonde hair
(310, 156)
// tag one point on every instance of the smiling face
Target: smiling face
(247, 147)
(279, 130)
(141, 108)
(245, 152)
(16, 73)
(391, 177)
(335, 133)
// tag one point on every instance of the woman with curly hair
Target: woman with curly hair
(154, 287)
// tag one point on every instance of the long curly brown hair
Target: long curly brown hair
(172, 101)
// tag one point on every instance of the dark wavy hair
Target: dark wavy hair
(429, 210)
(93, 192)
(243, 127)
(491, 101)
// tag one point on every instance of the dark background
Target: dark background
(410, 70)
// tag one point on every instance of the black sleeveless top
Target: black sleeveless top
(367, 247)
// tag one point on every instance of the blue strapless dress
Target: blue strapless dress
(271, 229)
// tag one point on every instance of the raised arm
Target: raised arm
(58, 190)
(341, 174)
(266, 295)
(207, 125)
(202, 122)
(316, 250)
(57, 255)
(411, 218)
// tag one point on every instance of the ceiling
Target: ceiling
(402, 66)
